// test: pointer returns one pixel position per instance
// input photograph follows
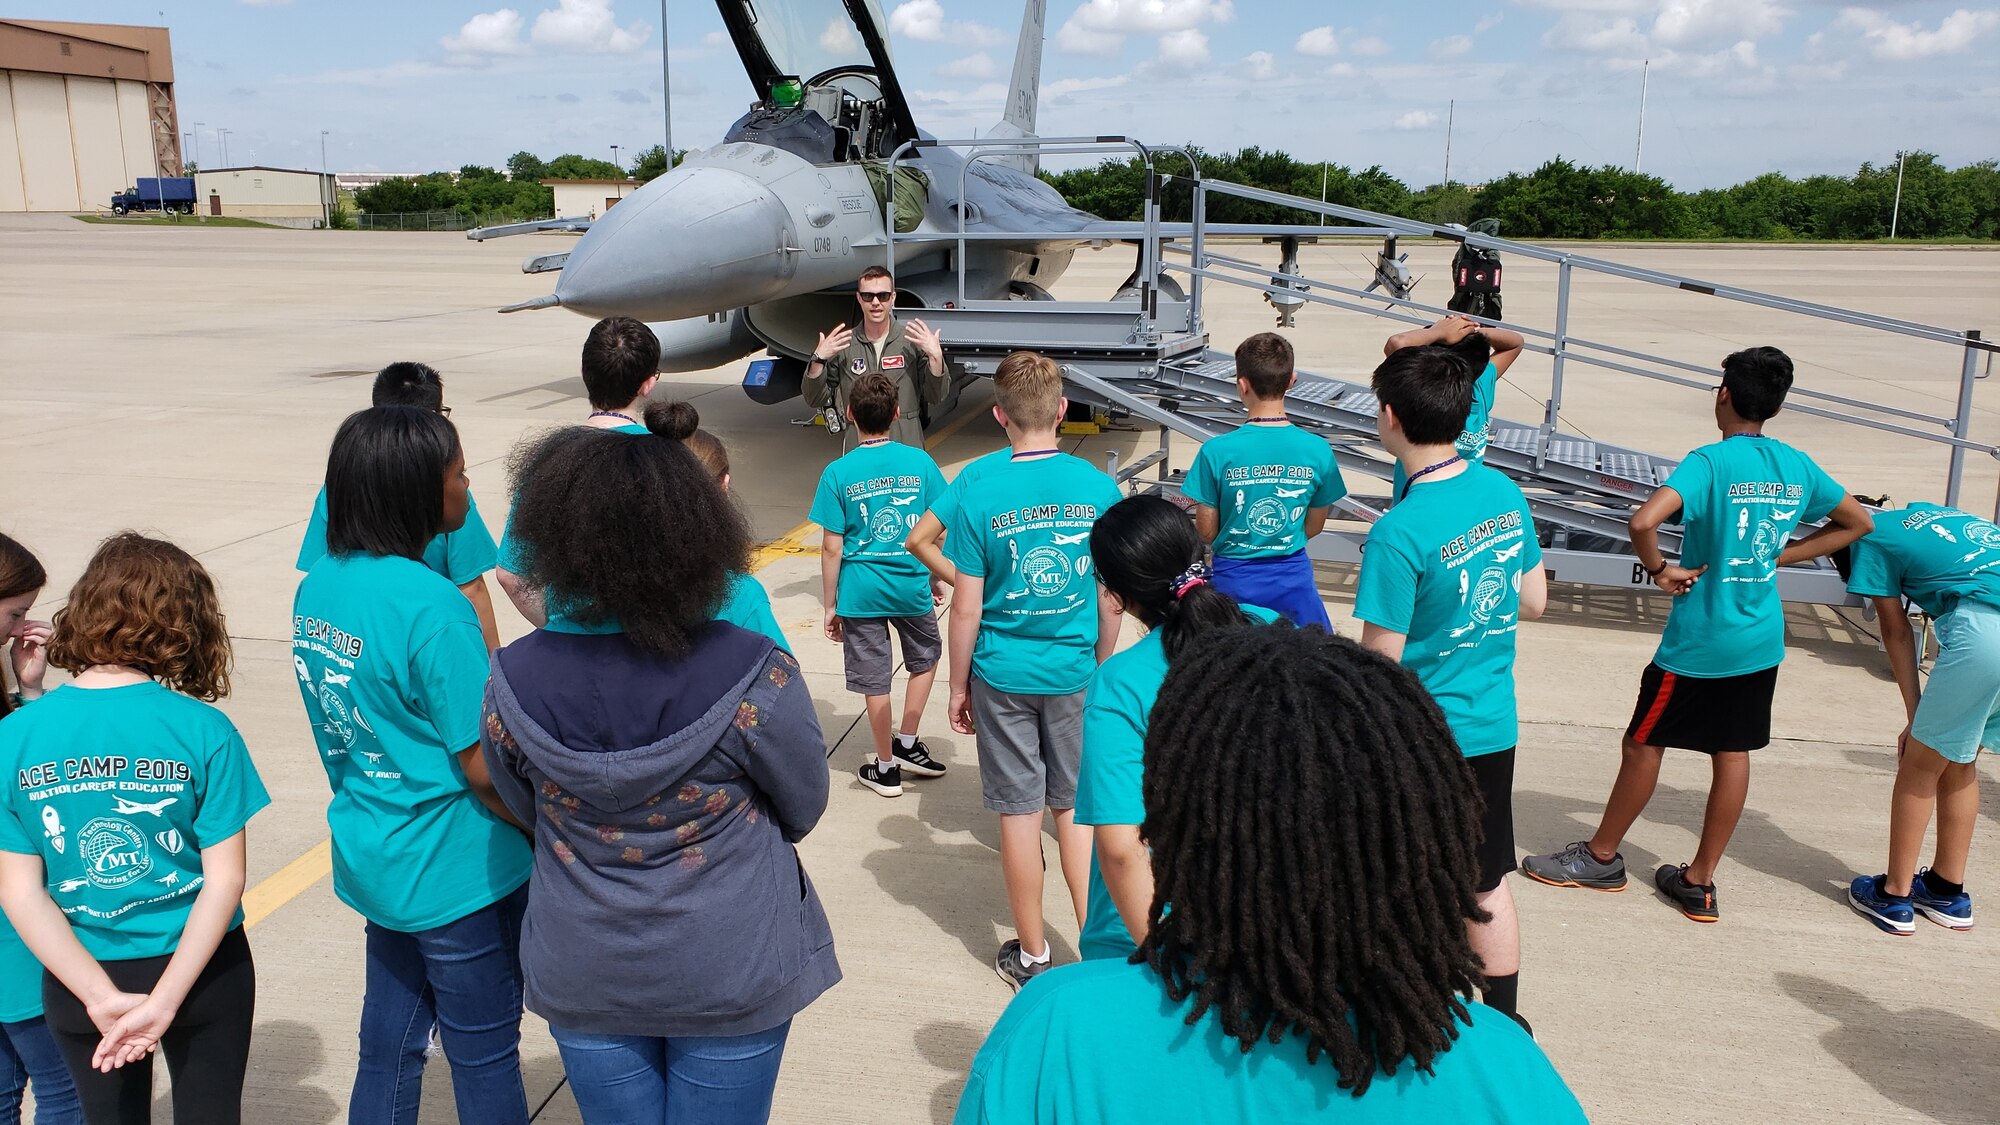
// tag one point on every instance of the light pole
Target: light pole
(666, 88)
(223, 135)
(1896, 211)
(614, 158)
(325, 195)
(197, 142)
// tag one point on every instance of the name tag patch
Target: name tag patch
(892, 362)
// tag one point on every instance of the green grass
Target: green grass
(152, 220)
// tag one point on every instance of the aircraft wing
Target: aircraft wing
(481, 234)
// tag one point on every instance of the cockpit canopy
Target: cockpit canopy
(827, 91)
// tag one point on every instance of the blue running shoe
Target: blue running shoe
(1890, 915)
(1953, 912)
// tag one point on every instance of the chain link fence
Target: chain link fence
(432, 220)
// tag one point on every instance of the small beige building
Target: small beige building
(290, 197)
(86, 110)
(577, 199)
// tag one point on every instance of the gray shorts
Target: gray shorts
(865, 644)
(1029, 748)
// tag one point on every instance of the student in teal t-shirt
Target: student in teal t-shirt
(463, 556)
(1148, 559)
(620, 367)
(1263, 490)
(393, 671)
(1486, 349)
(27, 1050)
(867, 503)
(1027, 631)
(1287, 772)
(1948, 563)
(122, 838)
(1447, 576)
(926, 540)
(1708, 689)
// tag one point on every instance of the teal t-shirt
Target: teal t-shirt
(461, 555)
(746, 605)
(118, 790)
(1026, 530)
(1100, 1042)
(1472, 443)
(1261, 479)
(1742, 498)
(509, 556)
(393, 667)
(1935, 556)
(1444, 569)
(873, 497)
(1110, 786)
(945, 507)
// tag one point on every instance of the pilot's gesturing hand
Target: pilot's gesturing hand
(921, 335)
(834, 342)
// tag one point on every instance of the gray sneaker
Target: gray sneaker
(1575, 866)
(1007, 963)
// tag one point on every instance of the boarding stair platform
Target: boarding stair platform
(1148, 358)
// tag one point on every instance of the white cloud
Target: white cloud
(1902, 42)
(923, 21)
(1340, 70)
(488, 33)
(1319, 43)
(1101, 26)
(1184, 48)
(715, 39)
(974, 66)
(587, 27)
(1369, 48)
(1710, 23)
(1260, 65)
(1489, 23)
(1416, 119)
(1577, 32)
(1451, 47)
(838, 38)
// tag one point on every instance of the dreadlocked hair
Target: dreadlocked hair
(1320, 885)
(1141, 546)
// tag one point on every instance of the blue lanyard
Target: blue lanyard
(1427, 470)
(1033, 453)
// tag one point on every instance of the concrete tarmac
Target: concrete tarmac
(187, 382)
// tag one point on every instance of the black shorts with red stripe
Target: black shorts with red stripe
(1708, 715)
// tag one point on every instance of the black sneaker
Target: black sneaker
(888, 782)
(1698, 903)
(917, 759)
(1576, 866)
(1007, 963)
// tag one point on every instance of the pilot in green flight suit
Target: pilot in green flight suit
(910, 355)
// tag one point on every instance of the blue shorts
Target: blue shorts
(1960, 709)
(1283, 585)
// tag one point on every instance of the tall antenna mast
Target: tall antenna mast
(666, 88)
(1639, 153)
(1450, 115)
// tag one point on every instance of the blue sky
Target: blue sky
(1737, 87)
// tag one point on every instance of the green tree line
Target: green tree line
(476, 189)
(1563, 199)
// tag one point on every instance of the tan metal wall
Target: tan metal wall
(255, 193)
(68, 143)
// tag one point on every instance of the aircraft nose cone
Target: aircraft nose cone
(695, 241)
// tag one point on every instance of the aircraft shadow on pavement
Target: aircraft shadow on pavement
(934, 876)
(287, 1058)
(949, 1046)
(1934, 1062)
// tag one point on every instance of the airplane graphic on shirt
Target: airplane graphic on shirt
(157, 808)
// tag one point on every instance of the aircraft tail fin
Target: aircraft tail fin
(1025, 91)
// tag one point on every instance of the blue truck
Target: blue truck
(156, 193)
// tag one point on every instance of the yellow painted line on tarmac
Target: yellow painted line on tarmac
(287, 883)
(296, 877)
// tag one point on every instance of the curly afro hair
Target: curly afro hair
(626, 528)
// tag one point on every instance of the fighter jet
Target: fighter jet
(754, 244)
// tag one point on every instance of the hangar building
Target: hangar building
(577, 198)
(292, 197)
(85, 110)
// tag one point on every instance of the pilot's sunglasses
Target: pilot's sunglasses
(868, 296)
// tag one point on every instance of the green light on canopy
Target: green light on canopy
(787, 93)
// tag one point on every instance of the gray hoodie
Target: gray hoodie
(665, 795)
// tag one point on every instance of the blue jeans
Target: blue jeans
(28, 1053)
(695, 1079)
(464, 976)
